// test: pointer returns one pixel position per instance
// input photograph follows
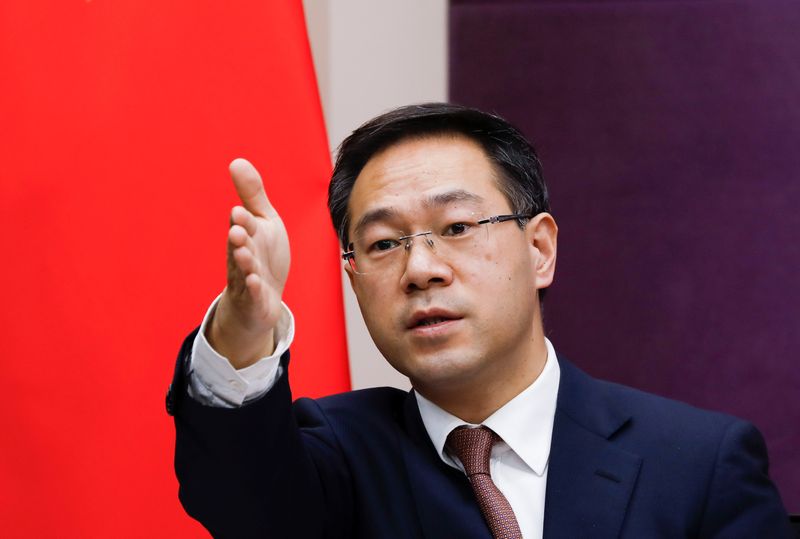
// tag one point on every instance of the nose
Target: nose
(423, 266)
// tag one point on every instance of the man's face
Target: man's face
(445, 323)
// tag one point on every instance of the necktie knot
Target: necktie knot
(473, 447)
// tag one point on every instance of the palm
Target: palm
(271, 251)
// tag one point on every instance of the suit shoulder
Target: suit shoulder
(635, 410)
(670, 411)
(646, 403)
(709, 466)
(676, 420)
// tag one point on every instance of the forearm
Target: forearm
(245, 471)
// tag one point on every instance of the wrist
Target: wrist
(241, 345)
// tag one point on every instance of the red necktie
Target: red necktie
(473, 447)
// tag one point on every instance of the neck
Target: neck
(476, 399)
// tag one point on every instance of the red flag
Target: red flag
(118, 122)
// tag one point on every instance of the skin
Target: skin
(492, 345)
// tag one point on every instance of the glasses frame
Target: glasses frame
(350, 255)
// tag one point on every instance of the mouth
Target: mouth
(432, 321)
(422, 320)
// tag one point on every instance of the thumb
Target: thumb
(250, 188)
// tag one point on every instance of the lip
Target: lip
(449, 318)
(435, 332)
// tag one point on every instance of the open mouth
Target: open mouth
(431, 319)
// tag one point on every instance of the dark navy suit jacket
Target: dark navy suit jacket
(360, 465)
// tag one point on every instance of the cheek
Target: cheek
(508, 285)
(376, 308)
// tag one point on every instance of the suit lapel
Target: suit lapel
(589, 479)
(443, 497)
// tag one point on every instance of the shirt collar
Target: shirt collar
(525, 422)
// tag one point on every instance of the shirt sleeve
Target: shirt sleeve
(214, 382)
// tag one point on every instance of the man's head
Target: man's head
(455, 309)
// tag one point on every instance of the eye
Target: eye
(383, 245)
(457, 229)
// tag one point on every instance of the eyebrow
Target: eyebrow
(433, 201)
(372, 216)
(456, 195)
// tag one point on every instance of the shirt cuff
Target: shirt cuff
(213, 380)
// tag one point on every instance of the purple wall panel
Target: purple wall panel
(670, 136)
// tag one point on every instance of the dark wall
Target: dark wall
(670, 137)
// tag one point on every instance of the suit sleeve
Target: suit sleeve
(252, 471)
(743, 502)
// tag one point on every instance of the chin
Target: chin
(440, 373)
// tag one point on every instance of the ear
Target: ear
(348, 269)
(543, 235)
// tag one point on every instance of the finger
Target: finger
(243, 218)
(250, 188)
(253, 284)
(235, 277)
(237, 240)
(245, 261)
(239, 237)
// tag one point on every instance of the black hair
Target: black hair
(518, 167)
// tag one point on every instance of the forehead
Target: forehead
(407, 175)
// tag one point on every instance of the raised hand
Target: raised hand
(242, 328)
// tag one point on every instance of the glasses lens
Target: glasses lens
(377, 250)
(460, 237)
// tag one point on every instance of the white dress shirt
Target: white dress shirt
(518, 464)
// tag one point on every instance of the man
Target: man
(443, 217)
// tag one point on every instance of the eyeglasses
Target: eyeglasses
(454, 238)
